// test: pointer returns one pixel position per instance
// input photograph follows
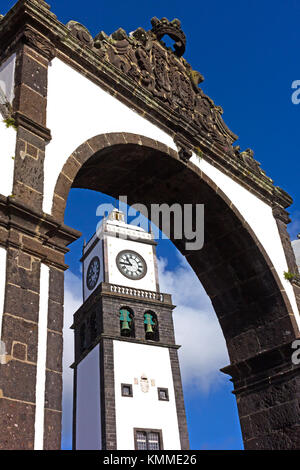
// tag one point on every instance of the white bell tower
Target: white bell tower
(120, 254)
(127, 384)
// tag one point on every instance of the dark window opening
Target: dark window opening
(163, 394)
(126, 390)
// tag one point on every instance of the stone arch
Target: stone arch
(77, 173)
(248, 297)
(82, 154)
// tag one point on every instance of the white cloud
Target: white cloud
(294, 226)
(197, 328)
(296, 248)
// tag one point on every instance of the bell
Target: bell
(125, 320)
(149, 328)
(149, 322)
(125, 326)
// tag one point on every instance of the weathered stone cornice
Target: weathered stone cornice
(104, 290)
(102, 337)
(281, 214)
(123, 66)
(32, 126)
(35, 233)
(269, 366)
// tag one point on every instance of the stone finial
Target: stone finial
(248, 153)
(196, 78)
(80, 32)
(119, 35)
(163, 27)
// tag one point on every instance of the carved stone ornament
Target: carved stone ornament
(144, 383)
(163, 27)
(166, 76)
(247, 156)
(42, 45)
(80, 32)
(184, 149)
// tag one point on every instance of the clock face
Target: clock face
(131, 264)
(93, 273)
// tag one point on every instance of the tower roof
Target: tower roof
(114, 224)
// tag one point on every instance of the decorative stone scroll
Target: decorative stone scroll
(80, 32)
(162, 71)
(144, 58)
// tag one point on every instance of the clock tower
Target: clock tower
(127, 384)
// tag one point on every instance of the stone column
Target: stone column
(267, 392)
(31, 383)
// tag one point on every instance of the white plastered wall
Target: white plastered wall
(78, 110)
(7, 135)
(41, 360)
(144, 410)
(296, 248)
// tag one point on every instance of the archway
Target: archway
(234, 268)
(140, 86)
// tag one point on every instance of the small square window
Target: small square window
(163, 394)
(126, 390)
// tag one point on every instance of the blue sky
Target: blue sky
(248, 53)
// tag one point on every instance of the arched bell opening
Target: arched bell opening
(127, 324)
(151, 326)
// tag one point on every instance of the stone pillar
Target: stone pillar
(32, 321)
(267, 392)
(108, 409)
(182, 423)
(31, 383)
(53, 385)
(19, 333)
